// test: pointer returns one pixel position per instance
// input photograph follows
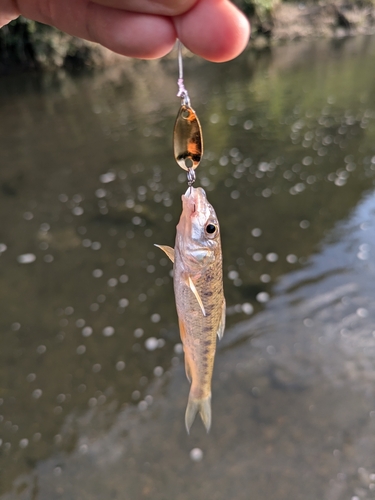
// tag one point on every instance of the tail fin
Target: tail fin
(203, 406)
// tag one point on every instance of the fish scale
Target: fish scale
(201, 331)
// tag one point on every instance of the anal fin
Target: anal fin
(220, 330)
(187, 369)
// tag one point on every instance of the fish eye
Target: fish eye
(211, 228)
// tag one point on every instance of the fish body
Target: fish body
(200, 302)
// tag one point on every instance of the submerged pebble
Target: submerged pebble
(87, 331)
(107, 177)
(108, 331)
(196, 454)
(262, 297)
(151, 343)
(24, 443)
(247, 308)
(120, 365)
(26, 258)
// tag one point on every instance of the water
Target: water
(92, 388)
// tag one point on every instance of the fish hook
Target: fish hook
(191, 177)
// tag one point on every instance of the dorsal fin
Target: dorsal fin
(168, 250)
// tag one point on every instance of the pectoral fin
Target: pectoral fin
(220, 330)
(191, 285)
(168, 250)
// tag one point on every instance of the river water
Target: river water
(92, 384)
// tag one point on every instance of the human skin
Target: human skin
(147, 29)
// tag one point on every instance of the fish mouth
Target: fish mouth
(194, 200)
(195, 208)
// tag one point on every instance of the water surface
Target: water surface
(92, 385)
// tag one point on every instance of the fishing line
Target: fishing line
(182, 92)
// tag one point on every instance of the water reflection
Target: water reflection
(91, 379)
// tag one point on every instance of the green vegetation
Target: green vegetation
(28, 44)
(260, 8)
(264, 9)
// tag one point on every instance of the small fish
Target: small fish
(198, 287)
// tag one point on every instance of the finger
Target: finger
(214, 29)
(159, 7)
(131, 34)
(8, 12)
(134, 35)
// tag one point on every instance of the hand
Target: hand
(213, 29)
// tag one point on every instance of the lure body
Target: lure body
(200, 302)
(187, 138)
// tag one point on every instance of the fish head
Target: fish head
(198, 232)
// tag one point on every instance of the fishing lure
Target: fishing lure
(187, 135)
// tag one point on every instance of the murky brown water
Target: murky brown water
(92, 385)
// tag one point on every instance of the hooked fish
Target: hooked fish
(200, 302)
